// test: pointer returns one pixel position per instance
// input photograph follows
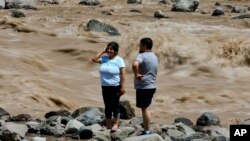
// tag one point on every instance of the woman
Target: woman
(112, 75)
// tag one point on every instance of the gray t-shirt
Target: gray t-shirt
(148, 68)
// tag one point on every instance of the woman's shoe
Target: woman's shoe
(115, 125)
(114, 128)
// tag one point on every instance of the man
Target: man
(145, 70)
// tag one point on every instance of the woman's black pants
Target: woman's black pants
(111, 101)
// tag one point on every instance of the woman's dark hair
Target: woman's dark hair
(114, 46)
(148, 42)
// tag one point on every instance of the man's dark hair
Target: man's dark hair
(148, 42)
(114, 46)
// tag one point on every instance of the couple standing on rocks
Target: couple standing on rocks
(112, 75)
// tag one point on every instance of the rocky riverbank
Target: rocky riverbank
(45, 50)
(88, 123)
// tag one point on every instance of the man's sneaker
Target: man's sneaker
(145, 133)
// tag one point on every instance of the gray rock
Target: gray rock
(101, 137)
(242, 16)
(175, 133)
(247, 121)
(155, 128)
(2, 124)
(91, 116)
(159, 14)
(2, 4)
(166, 2)
(53, 126)
(218, 12)
(10, 136)
(179, 131)
(185, 5)
(83, 134)
(46, 1)
(61, 112)
(20, 129)
(21, 117)
(3, 112)
(126, 110)
(135, 10)
(94, 25)
(151, 137)
(185, 121)
(49, 1)
(217, 131)
(25, 4)
(210, 138)
(122, 133)
(167, 138)
(82, 110)
(73, 126)
(136, 121)
(134, 1)
(238, 9)
(38, 139)
(207, 119)
(90, 2)
(33, 126)
(106, 12)
(93, 128)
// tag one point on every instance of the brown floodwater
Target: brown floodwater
(204, 60)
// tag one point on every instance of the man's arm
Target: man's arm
(135, 67)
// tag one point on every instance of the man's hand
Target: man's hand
(138, 76)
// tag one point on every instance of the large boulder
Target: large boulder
(17, 4)
(94, 25)
(91, 116)
(126, 110)
(185, 5)
(207, 119)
